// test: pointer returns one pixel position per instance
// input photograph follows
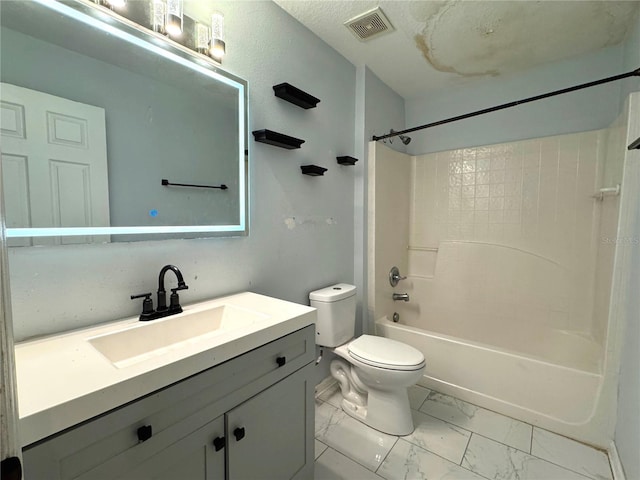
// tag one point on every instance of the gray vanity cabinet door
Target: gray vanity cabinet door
(270, 436)
(191, 458)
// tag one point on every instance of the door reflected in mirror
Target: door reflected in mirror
(93, 121)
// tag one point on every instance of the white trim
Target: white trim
(615, 462)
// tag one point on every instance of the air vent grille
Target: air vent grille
(369, 24)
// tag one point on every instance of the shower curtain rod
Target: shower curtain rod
(633, 73)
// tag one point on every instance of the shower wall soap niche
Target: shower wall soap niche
(277, 139)
(296, 96)
(313, 170)
(345, 160)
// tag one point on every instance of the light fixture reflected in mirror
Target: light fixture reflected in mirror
(173, 24)
(202, 38)
(158, 15)
(217, 46)
(112, 4)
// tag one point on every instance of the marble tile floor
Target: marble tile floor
(453, 440)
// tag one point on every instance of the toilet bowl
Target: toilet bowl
(382, 385)
(373, 372)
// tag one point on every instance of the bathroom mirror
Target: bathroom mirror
(102, 117)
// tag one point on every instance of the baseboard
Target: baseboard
(616, 464)
(325, 385)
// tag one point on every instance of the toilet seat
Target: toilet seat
(385, 353)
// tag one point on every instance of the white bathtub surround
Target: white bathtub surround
(515, 303)
(515, 235)
(441, 450)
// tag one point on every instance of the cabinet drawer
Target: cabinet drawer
(172, 412)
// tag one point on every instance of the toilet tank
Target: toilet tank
(336, 307)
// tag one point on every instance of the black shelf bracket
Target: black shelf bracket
(634, 145)
(277, 139)
(167, 183)
(345, 160)
(313, 170)
(296, 96)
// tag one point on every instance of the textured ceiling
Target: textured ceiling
(439, 43)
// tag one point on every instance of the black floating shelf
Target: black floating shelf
(313, 170)
(346, 160)
(295, 95)
(634, 145)
(277, 139)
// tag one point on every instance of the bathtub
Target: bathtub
(560, 398)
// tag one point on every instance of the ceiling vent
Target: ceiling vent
(369, 24)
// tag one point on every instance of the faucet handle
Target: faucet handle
(174, 299)
(147, 306)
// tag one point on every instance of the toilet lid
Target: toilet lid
(385, 353)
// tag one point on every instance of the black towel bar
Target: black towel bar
(166, 183)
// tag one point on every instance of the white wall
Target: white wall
(589, 109)
(55, 289)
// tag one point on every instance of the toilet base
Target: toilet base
(388, 412)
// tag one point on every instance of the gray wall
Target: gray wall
(301, 228)
(589, 109)
(627, 436)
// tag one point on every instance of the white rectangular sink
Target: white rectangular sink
(68, 378)
(157, 337)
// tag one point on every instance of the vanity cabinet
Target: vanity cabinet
(251, 417)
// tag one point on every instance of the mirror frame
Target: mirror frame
(111, 23)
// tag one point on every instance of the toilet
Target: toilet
(373, 372)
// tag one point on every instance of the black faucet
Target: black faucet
(174, 302)
(148, 313)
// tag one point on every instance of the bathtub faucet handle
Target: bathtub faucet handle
(395, 277)
(401, 296)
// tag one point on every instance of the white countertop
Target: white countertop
(63, 380)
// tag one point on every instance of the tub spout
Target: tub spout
(401, 296)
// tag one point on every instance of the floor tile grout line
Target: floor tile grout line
(385, 457)
(345, 454)
(444, 458)
(538, 458)
(510, 446)
(469, 441)
(475, 405)
(465, 449)
(564, 466)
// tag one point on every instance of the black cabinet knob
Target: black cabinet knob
(281, 361)
(239, 433)
(144, 433)
(219, 443)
